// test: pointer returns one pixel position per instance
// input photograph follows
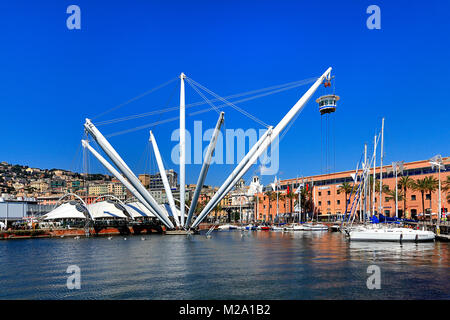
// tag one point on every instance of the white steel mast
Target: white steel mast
(114, 172)
(205, 168)
(264, 143)
(231, 180)
(117, 160)
(182, 149)
(164, 179)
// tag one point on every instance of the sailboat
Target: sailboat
(385, 232)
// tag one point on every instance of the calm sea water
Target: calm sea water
(259, 265)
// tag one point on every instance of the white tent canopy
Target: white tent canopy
(138, 210)
(107, 209)
(68, 210)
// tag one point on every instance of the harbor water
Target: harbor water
(229, 265)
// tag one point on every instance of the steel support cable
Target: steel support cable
(136, 98)
(250, 98)
(203, 96)
(249, 115)
(164, 110)
(198, 112)
(160, 122)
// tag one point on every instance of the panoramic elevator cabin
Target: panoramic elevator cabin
(327, 103)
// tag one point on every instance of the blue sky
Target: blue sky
(53, 78)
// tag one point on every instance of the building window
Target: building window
(320, 203)
(338, 201)
(320, 193)
(413, 197)
(328, 192)
(386, 199)
(328, 202)
(428, 196)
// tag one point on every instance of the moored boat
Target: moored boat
(314, 227)
(396, 234)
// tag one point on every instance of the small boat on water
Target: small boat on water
(276, 228)
(314, 227)
(263, 228)
(386, 233)
(251, 227)
(293, 227)
(227, 227)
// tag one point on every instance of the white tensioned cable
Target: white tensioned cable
(283, 87)
(255, 97)
(231, 104)
(136, 98)
(299, 83)
(203, 96)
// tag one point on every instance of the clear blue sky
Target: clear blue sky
(53, 78)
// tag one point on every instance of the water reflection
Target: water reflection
(230, 265)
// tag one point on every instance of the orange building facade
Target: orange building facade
(328, 201)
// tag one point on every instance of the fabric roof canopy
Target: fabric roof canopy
(138, 210)
(69, 210)
(106, 209)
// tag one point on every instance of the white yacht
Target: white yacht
(386, 233)
(227, 227)
(314, 227)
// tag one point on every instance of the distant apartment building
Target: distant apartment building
(57, 185)
(39, 186)
(145, 180)
(74, 185)
(156, 180)
(161, 197)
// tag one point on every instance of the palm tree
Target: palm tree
(290, 196)
(446, 184)
(271, 196)
(446, 187)
(347, 188)
(405, 183)
(432, 185)
(422, 185)
(393, 195)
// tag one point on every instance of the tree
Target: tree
(446, 187)
(347, 188)
(290, 196)
(405, 183)
(392, 196)
(421, 185)
(432, 185)
(446, 184)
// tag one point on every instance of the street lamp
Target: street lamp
(398, 168)
(436, 162)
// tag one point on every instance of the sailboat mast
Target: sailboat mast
(182, 149)
(374, 166)
(396, 191)
(365, 181)
(381, 167)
